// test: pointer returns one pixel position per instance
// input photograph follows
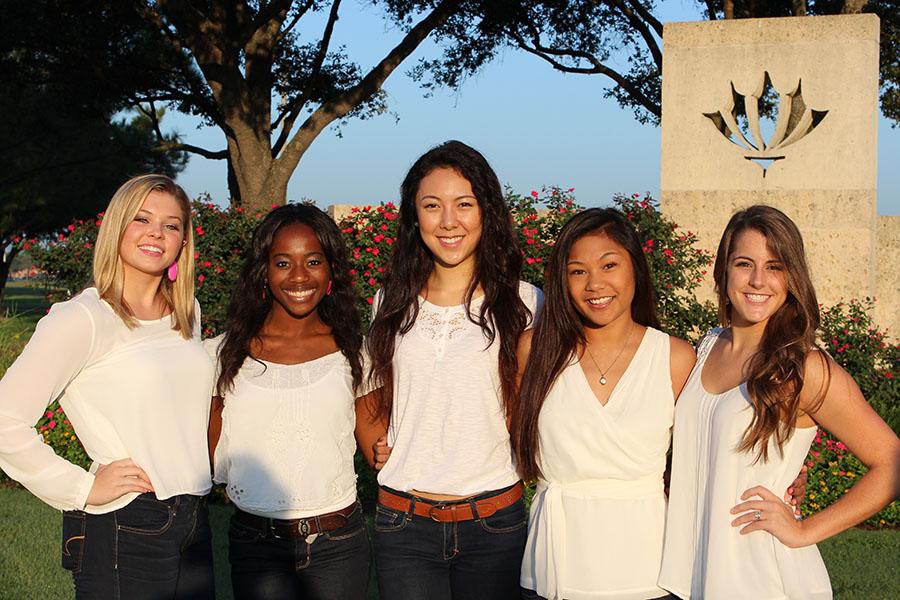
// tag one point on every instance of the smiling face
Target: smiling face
(298, 273)
(756, 282)
(449, 218)
(600, 277)
(153, 239)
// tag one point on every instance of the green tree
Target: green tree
(58, 163)
(617, 39)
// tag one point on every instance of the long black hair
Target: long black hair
(249, 306)
(498, 264)
(560, 331)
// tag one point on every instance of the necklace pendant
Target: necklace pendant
(602, 380)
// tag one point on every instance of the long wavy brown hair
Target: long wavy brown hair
(560, 332)
(498, 263)
(775, 371)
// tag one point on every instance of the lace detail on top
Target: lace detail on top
(443, 325)
(276, 376)
(707, 342)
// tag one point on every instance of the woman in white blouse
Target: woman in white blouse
(450, 522)
(125, 361)
(288, 369)
(744, 424)
(594, 418)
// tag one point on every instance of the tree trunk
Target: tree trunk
(728, 8)
(799, 8)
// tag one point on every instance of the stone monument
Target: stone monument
(783, 112)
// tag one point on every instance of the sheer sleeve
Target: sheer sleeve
(54, 356)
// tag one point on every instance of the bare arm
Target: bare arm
(846, 414)
(681, 361)
(369, 426)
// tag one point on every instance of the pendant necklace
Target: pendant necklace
(602, 372)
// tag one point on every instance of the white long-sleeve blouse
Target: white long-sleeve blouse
(139, 393)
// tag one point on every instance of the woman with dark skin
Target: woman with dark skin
(289, 367)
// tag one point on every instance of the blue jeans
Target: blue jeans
(149, 549)
(420, 559)
(532, 595)
(333, 565)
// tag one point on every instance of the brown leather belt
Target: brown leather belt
(296, 528)
(452, 511)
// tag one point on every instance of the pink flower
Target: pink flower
(530, 260)
(201, 278)
(369, 300)
(534, 194)
(71, 228)
(51, 424)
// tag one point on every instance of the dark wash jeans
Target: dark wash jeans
(151, 549)
(532, 595)
(420, 559)
(332, 566)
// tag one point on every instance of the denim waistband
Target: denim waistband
(466, 499)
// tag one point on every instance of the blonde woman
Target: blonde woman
(125, 361)
(744, 424)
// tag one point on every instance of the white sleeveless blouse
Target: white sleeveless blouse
(704, 556)
(597, 520)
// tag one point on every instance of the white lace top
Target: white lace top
(139, 393)
(287, 445)
(448, 429)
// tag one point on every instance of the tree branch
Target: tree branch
(641, 26)
(853, 7)
(296, 107)
(210, 154)
(597, 68)
(343, 103)
(648, 17)
(296, 19)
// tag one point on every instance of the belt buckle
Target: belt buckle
(439, 507)
(303, 527)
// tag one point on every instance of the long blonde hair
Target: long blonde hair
(776, 370)
(109, 274)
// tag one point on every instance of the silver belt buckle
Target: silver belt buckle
(303, 527)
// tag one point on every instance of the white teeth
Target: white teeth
(756, 297)
(300, 295)
(451, 240)
(600, 301)
(153, 249)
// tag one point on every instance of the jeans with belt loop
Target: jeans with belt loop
(420, 559)
(149, 549)
(329, 565)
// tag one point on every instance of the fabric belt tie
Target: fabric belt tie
(464, 509)
(551, 518)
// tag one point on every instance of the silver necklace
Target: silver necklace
(602, 372)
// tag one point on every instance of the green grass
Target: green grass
(24, 298)
(862, 564)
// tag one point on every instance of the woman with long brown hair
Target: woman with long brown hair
(744, 424)
(593, 422)
(450, 522)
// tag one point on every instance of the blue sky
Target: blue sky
(536, 127)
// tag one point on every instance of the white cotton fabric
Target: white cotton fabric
(139, 393)
(448, 428)
(598, 516)
(704, 556)
(286, 448)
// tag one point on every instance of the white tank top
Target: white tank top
(704, 556)
(448, 428)
(597, 519)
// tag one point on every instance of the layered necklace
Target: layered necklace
(621, 350)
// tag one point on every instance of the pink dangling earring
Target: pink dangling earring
(264, 293)
(172, 271)
(328, 289)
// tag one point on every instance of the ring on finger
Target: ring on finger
(757, 515)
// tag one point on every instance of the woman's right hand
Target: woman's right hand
(116, 479)
(381, 451)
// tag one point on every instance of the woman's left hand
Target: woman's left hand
(770, 514)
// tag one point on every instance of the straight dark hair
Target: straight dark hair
(498, 264)
(776, 370)
(249, 306)
(560, 332)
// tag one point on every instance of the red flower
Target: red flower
(201, 278)
(369, 299)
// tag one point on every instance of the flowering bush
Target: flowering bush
(369, 232)
(57, 432)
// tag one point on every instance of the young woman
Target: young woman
(289, 367)
(744, 424)
(450, 521)
(593, 424)
(125, 361)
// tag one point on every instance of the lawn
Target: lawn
(862, 564)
